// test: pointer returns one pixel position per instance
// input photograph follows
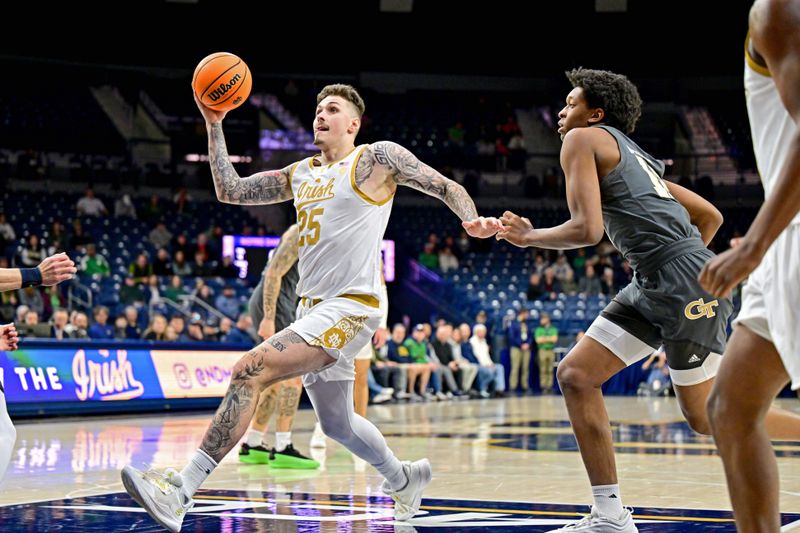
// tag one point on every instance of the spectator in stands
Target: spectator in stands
(539, 264)
(468, 369)
(240, 334)
(131, 293)
(8, 303)
(57, 232)
(203, 292)
(417, 347)
(78, 325)
(456, 134)
(132, 329)
(501, 153)
(463, 244)
(227, 302)
(399, 353)
(53, 299)
(202, 246)
(561, 268)
(387, 372)
(225, 327)
(162, 266)
(447, 261)
(216, 234)
(182, 200)
(157, 330)
(58, 329)
(179, 266)
(607, 283)
(56, 247)
(32, 299)
(178, 324)
(100, 329)
(153, 211)
(120, 328)
(546, 339)
(181, 243)
(91, 206)
(550, 284)
(428, 257)
(658, 381)
(160, 236)
(590, 283)
(124, 207)
(30, 325)
(94, 264)
(226, 269)
(519, 342)
(152, 292)
(194, 333)
(579, 262)
(78, 240)
(494, 372)
(175, 289)
(32, 253)
(535, 288)
(444, 353)
(7, 234)
(569, 285)
(141, 269)
(199, 266)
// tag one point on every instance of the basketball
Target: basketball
(222, 81)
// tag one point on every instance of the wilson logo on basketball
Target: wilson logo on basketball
(223, 88)
(699, 309)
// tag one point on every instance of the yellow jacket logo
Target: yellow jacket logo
(699, 309)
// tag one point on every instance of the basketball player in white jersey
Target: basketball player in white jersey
(343, 198)
(763, 354)
(52, 271)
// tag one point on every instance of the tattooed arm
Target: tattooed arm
(405, 169)
(269, 187)
(285, 256)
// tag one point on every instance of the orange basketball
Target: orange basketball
(222, 81)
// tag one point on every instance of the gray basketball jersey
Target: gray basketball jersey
(287, 299)
(642, 219)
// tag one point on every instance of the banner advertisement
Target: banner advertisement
(79, 374)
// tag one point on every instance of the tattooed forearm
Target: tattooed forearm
(266, 405)
(261, 188)
(289, 397)
(281, 340)
(407, 170)
(285, 256)
(235, 411)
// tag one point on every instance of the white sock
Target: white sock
(198, 469)
(608, 500)
(254, 438)
(318, 429)
(282, 440)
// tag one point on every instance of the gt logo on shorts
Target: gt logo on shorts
(699, 309)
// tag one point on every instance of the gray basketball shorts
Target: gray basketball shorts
(668, 307)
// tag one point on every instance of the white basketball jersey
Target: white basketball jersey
(341, 230)
(770, 124)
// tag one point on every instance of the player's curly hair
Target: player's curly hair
(347, 92)
(613, 93)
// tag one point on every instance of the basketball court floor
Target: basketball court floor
(498, 465)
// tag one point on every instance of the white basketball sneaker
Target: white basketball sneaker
(595, 523)
(159, 494)
(407, 500)
(318, 437)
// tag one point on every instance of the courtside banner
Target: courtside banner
(78, 374)
(194, 374)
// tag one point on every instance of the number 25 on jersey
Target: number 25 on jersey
(309, 226)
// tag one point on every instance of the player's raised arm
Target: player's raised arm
(405, 169)
(269, 187)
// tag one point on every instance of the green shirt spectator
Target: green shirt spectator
(546, 335)
(417, 349)
(93, 263)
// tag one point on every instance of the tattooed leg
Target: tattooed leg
(267, 403)
(288, 400)
(259, 368)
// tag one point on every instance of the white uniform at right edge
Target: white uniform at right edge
(771, 296)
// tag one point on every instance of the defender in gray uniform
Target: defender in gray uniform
(662, 229)
(273, 305)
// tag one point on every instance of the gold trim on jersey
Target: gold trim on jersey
(751, 62)
(365, 299)
(358, 191)
(291, 172)
(329, 165)
(344, 331)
